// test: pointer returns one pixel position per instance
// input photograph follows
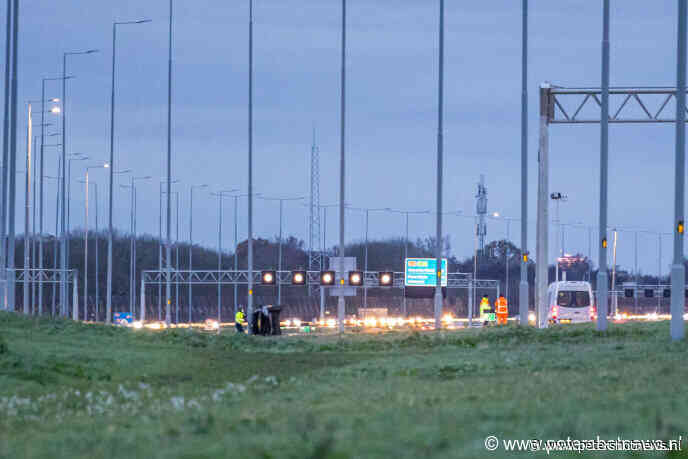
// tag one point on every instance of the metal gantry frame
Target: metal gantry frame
(49, 276)
(561, 105)
(241, 277)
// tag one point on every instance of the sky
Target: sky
(391, 135)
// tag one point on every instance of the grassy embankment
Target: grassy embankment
(83, 391)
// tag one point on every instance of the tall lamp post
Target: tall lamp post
(40, 180)
(108, 308)
(365, 256)
(440, 148)
(406, 213)
(101, 166)
(63, 232)
(191, 243)
(558, 197)
(279, 250)
(95, 184)
(132, 242)
(160, 242)
(220, 194)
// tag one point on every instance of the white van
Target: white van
(570, 301)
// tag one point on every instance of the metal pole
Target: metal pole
(602, 275)
(558, 250)
(27, 215)
(190, 249)
(34, 306)
(506, 254)
(365, 287)
(132, 291)
(236, 257)
(659, 270)
(108, 307)
(279, 258)
(86, 253)
(678, 270)
(249, 308)
(168, 251)
(542, 212)
(160, 252)
(406, 243)
(440, 147)
(219, 256)
(635, 292)
(40, 205)
(176, 263)
(523, 293)
(13, 155)
(615, 304)
(342, 174)
(5, 156)
(55, 244)
(97, 250)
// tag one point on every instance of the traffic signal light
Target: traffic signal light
(268, 277)
(649, 293)
(666, 293)
(298, 277)
(628, 293)
(327, 278)
(385, 278)
(355, 278)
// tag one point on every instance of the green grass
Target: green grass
(87, 391)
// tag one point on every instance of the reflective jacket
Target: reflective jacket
(501, 305)
(239, 317)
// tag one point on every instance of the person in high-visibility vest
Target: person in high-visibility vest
(238, 319)
(502, 310)
(484, 309)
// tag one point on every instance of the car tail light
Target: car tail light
(555, 312)
(593, 313)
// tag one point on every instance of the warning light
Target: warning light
(439, 273)
(679, 227)
(604, 243)
(385, 279)
(268, 277)
(327, 278)
(355, 278)
(298, 277)
(525, 258)
(250, 292)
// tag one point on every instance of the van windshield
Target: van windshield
(570, 299)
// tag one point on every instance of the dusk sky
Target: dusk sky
(392, 111)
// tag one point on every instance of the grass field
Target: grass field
(69, 390)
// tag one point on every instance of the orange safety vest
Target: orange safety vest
(501, 306)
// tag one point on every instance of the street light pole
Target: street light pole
(440, 146)
(523, 293)
(341, 306)
(108, 312)
(249, 301)
(191, 243)
(602, 274)
(5, 154)
(678, 270)
(279, 250)
(220, 194)
(27, 209)
(63, 252)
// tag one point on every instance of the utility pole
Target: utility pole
(523, 293)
